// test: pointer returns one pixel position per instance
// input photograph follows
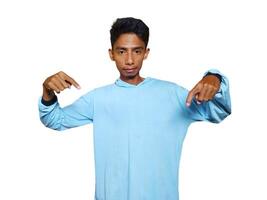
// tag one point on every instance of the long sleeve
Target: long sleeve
(76, 114)
(214, 110)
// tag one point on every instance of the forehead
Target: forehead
(129, 40)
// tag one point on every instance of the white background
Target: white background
(39, 38)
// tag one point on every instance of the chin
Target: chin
(129, 76)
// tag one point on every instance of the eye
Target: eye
(121, 51)
(138, 51)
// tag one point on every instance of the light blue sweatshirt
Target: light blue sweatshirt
(138, 134)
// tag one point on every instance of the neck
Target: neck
(132, 80)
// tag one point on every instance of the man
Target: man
(139, 123)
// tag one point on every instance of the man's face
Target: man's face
(128, 52)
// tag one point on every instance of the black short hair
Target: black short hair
(129, 25)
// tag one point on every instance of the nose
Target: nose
(129, 59)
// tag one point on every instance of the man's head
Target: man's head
(129, 25)
(129, 39)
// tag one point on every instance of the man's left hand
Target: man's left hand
(204, 90)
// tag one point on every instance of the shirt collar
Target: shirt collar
(122, 83)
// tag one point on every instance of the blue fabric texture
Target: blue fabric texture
(138, 133)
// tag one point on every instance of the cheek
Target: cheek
(140, 60)
(119, 63)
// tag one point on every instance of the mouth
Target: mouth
(129, 70)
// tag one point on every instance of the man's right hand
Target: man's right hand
(57, 83)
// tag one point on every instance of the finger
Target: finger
(211, 91)
(202, 93)
(197, 97)
(59, 85)
(191, 95)
(71, 81)
(63, 82)
(53, 87)
(56, 81)
(210, 94)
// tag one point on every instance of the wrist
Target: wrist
(49, 102)
(48, 94)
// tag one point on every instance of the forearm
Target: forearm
(55, 117)
(76, 114)
(213, 109)
(51, 114)
(220, 106)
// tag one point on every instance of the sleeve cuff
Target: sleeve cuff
(50, 102)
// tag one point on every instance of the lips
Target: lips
(129, 69)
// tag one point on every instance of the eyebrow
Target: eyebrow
(124, 48)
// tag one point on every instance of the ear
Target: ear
(111, 54)
(146, 53)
